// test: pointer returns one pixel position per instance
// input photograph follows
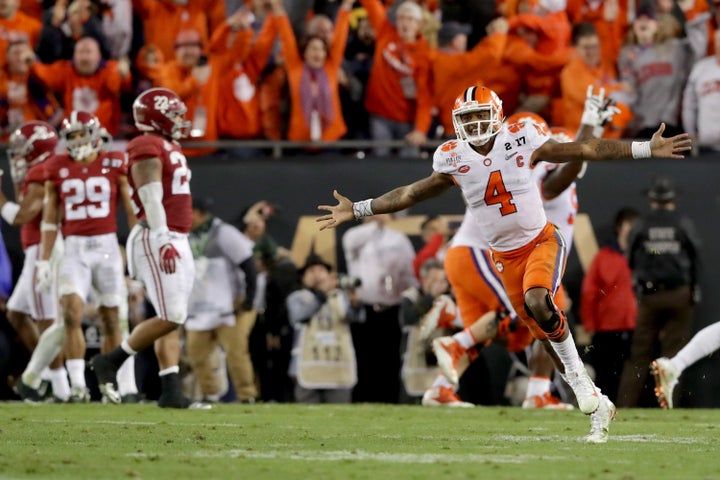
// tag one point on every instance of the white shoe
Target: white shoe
(666, 377)
(443, 397)
(585, 391)
(442, 312)
(600, 421)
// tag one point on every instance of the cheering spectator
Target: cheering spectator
(66, 26)
(357, 66)
(610, 19)
(242, 62)
(453, 67)
(312, 75)
(163, 20)
(194, 78)
(116, 17)
(701, 100)
(656, 66)
(88, 83)
(16, 26)
(585, 69)
(398, 94)
(23, 98)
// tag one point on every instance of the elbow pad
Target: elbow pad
(151, 195)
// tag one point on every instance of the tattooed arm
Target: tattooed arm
(605, 150)
(392, 201)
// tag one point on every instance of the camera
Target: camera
(348, 282)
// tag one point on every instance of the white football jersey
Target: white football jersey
(469, 234)
(499, 188)
(561, 210)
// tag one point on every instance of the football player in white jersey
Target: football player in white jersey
(492, 164)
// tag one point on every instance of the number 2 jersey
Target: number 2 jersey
(175, 179)
(87, 192)
(499, 187)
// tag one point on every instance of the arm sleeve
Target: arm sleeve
(301, 306)
(288, 42)
(263, 46)
(340, 36)
(249, 268)
(53, 76)
(376, 13)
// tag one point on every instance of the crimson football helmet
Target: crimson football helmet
(88, 141)
(477, 99)
(161, 110)
(30, 144)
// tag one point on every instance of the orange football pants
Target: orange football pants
(540, 263)
(478, 290)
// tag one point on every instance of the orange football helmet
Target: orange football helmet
(477, 131)
(528, 117)
(562, 134)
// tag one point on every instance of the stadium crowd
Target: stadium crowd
(320, 71)
(323, 70)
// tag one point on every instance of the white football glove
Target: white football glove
(598, 110)
(43, 276)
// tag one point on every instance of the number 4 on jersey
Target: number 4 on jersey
(496, 193)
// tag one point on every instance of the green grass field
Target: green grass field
(351, 442)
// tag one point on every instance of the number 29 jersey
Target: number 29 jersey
(175, 179)
(499, 187)
(87, 192)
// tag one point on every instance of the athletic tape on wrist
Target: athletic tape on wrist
(48, 227)
(641, 150)
(362, 209)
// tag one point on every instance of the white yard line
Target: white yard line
(345, 455)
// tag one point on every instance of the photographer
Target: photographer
(323, 358)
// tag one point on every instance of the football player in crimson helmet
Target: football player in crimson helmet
(82, 191)
(28, 145)
(161, 110)
(31, 313)
(477, 115)
(81, 133)
(159, 253)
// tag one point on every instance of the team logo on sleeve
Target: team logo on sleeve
(464, 169)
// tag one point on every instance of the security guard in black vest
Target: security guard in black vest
(663, 255)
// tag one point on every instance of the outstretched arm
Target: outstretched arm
(606, 150)
(392, 201)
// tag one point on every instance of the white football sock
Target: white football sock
(49, 345)
(537, 386)
(126, 377)
(465, 338)
(705, 342)
(567, 351)
(60, 383)
(76, 370)
(442, 381)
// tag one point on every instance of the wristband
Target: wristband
(641, 150)
(48, 227)
(363, 209)
(9, 211)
